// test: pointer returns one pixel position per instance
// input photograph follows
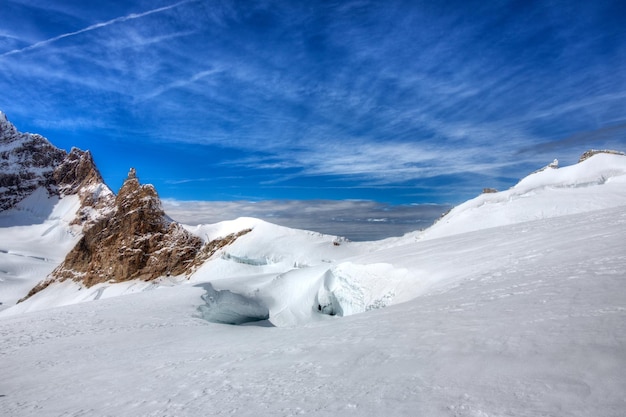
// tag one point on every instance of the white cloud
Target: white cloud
(100, 25)
(181, 83)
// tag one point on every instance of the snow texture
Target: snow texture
(512, 305)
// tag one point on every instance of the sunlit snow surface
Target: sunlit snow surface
(518, 317)
(35, 236)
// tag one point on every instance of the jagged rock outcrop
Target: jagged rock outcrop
(588, 154)
(77, 174)
(27, 162)
(552, 165)
(135, 241)
(125, 237)
(77, 171)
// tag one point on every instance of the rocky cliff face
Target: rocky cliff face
(135, 241)
(27, 162)
(125, 237)
(77, 174)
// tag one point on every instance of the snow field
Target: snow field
(295, 276)
(512, 305)
(36, 244)
(536, 326)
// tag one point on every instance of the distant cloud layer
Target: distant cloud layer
(398, 101)
(356, 220)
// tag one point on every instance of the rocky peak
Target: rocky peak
(133, 193)
(139, 206)
(78, 175)
(135, 241)
(27, 162)
(77, 171)
(8, 132)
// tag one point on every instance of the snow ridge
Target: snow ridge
(596, 183)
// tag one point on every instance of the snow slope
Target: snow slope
(527, 319)
(512, 305)
(263, 254)
(596, 183)
(34, 238)
(379, 274)
(292, 277)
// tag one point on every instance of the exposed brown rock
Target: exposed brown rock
(27, 162)
(588, 154)
(489, 191)
(212, 247)
(77, 174)
(136, 241)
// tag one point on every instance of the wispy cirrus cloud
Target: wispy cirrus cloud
(95, 26)
(362, 95)
(181, 83)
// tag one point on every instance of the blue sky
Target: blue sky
(390, 101)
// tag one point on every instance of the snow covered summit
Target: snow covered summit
(135, 240)
(598, 181)
(27, 162)
(30, 164)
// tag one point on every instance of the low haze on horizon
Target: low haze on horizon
(396, 103)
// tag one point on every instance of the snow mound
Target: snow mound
(303, 294)
(351, 288)
(596, 183)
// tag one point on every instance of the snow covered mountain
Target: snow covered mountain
(48, 197)
(27, 162)
(30, 164)
(255, 271)
(596, 182)
(512, 304)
